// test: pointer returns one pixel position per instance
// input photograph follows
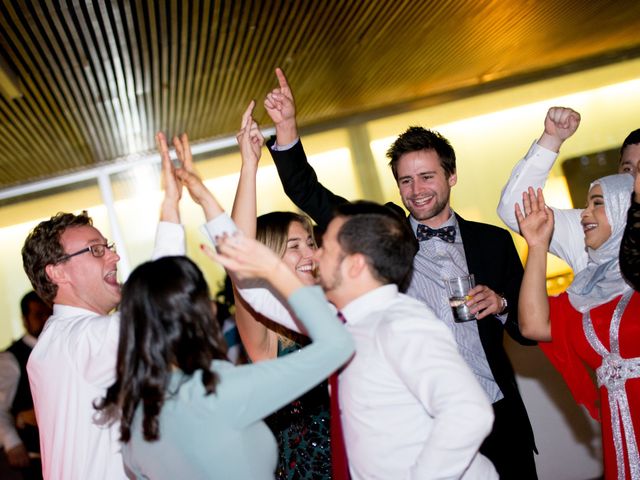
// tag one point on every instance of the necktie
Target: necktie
(339, 462)
(448, 234)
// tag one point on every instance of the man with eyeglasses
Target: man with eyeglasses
(74, 267)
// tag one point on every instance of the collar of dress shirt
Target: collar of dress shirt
(358, 309)
(71, 311)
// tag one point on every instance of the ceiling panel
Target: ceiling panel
(99, 78)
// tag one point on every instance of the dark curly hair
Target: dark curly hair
(42, 247)
(166, 321)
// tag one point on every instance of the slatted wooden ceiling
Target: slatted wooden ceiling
(98, 78)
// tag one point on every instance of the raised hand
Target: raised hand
(536, 223)
(281, 107)
(246, 258)
(250, 138)
(559, 124)
(188, 176)
(175, 177)
(170, 184)
(186, 172)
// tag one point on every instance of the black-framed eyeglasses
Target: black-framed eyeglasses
(98, 250)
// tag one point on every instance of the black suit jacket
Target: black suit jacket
(489, 250)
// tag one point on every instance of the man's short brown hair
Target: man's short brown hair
(415, 139)
(42, 247)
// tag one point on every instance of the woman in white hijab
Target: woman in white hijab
(595, 324)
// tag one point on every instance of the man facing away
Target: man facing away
(424, 166)
(560, 124)
(18, 427)
(409, 405)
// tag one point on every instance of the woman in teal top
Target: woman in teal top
(186, 413)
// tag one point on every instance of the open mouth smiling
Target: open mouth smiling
(112, 278)
(422, 201)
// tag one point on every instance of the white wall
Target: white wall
(568, 439)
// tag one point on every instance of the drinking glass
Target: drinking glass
(458, 291)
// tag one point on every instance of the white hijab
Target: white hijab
(601, 280)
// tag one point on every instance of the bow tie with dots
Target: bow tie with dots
(447, 234)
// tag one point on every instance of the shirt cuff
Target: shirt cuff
(543, 158)
(170, 240)
(281, 148)
(503, 317)
(220, 225)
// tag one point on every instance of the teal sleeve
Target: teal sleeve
(262, 388)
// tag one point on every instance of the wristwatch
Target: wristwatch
(505, 304)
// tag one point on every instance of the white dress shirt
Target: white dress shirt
(410, 406)
(70, 368)
(9, 379)
(567, 241)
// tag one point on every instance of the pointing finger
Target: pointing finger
(246, 116)
(282, 80)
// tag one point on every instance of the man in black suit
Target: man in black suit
(423, 164)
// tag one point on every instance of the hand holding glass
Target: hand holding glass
(458, 291)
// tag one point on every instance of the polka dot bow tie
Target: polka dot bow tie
(448, 234)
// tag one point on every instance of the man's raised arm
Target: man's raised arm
(298, 178)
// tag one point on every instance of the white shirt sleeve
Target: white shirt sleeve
(219, 226)
(170, 240)
(9, 378)
(266, 303)
(443, 383)
(533, 170)
(282, 148)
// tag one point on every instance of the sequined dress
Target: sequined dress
(607, 340)
(302, 431)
